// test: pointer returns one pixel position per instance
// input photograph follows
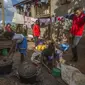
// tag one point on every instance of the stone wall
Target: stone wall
(58, 9)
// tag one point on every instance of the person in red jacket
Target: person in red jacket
(8, 28)
(77, 30)
(36, 32)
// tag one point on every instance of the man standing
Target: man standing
(36, 32)
(77, 30)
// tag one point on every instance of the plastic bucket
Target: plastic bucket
(56, 72)
(4, 52)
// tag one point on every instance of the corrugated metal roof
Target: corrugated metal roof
(23, 2)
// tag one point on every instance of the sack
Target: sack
(36, 57)
(72, 76)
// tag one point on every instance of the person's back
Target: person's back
(18, 37)
(36, 30)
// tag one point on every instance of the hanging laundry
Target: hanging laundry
(28, 9)
(39, 3)
(29, 21)
(24, 7)
(29, 6)
(53, 19)
(46, 21)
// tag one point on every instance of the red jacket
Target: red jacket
(8, 29)
(36, 30)
(78, 25)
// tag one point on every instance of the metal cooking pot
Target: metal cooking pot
(27, 72)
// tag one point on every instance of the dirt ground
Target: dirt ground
(81, 55)
(67, 56)
(13, 79)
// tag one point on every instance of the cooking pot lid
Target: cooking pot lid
(27, 69)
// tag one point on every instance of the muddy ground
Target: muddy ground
(43, 79)
(12, 79)
(81, 55)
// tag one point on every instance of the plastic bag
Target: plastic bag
(72, 76)
(64, 47)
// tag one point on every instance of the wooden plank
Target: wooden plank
(5, 44)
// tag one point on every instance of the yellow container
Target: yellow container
(40, 47)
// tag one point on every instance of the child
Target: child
(49, 53)
(18, 40)
(36, 32)
(49, 50)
